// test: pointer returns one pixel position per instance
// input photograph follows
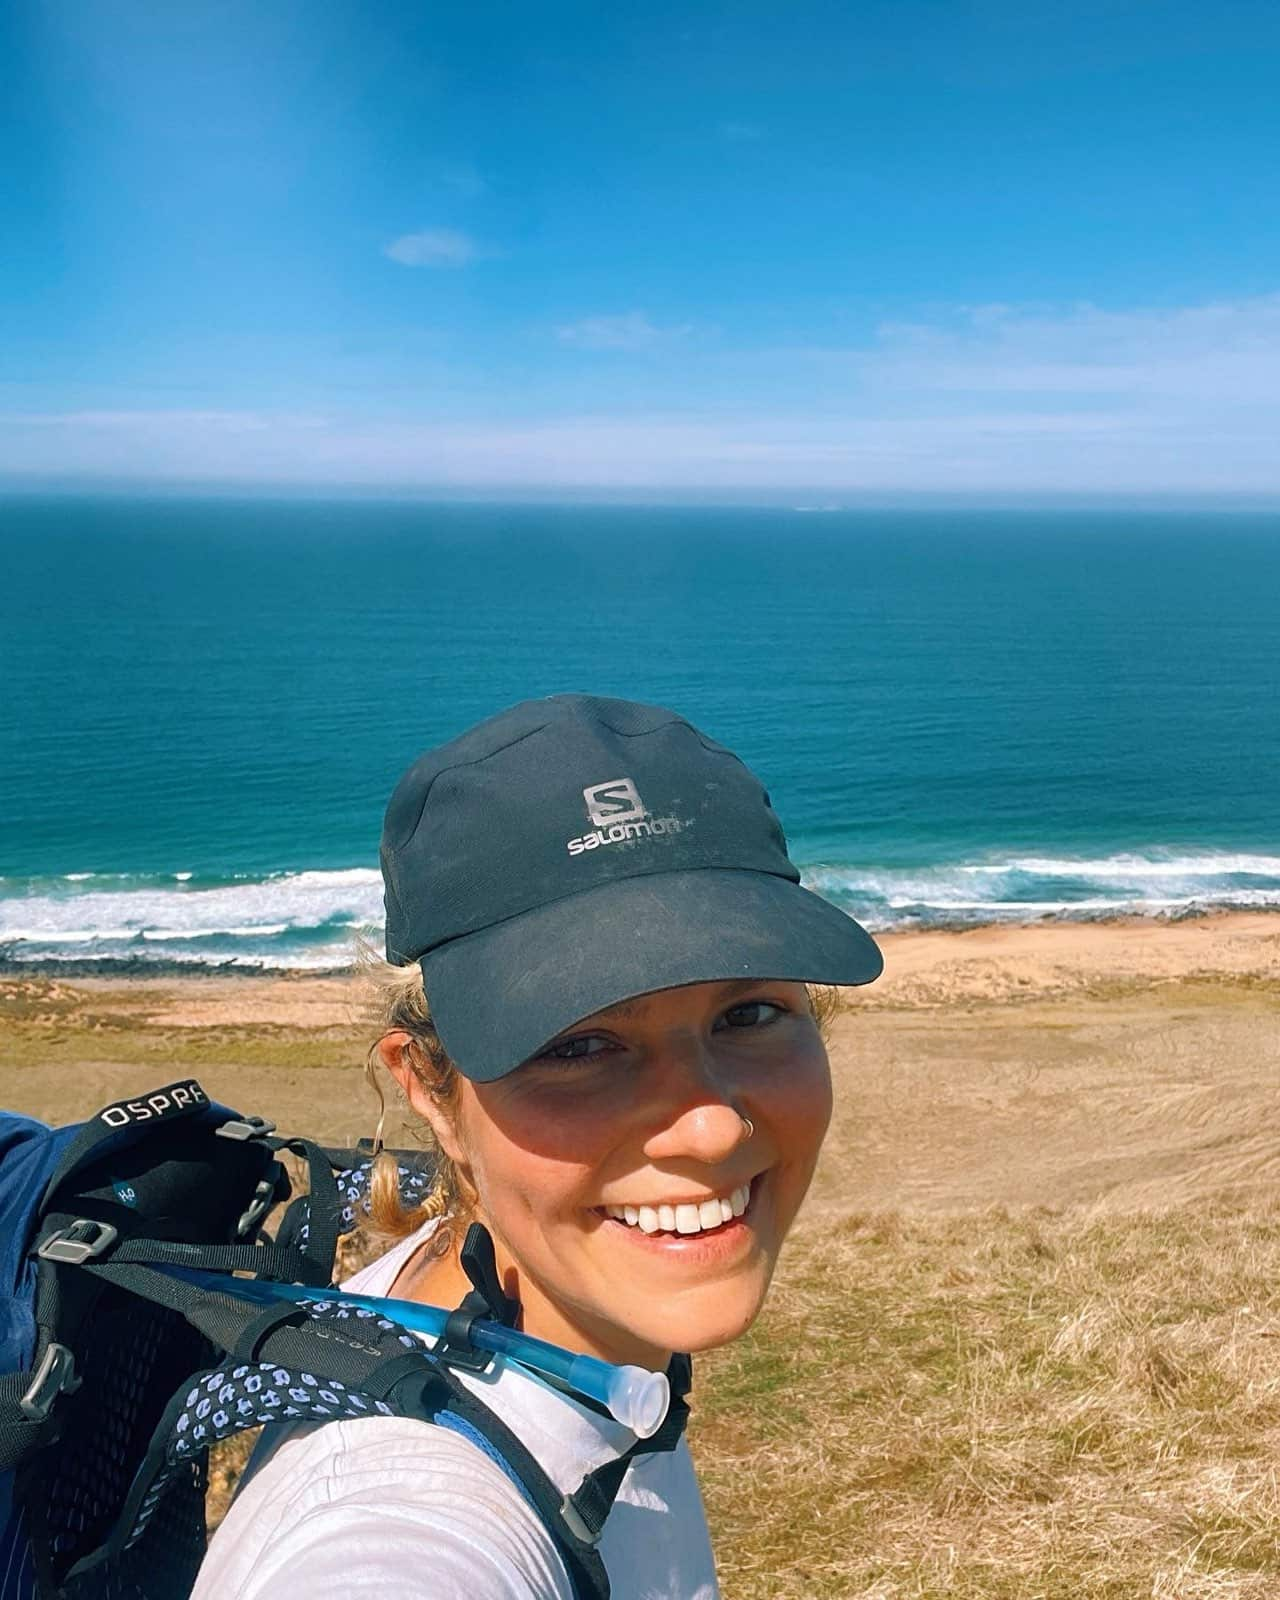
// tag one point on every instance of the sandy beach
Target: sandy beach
(1124, 1063)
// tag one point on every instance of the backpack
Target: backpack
(116, 1375)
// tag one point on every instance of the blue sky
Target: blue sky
(951, 246)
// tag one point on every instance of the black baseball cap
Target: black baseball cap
(573, 852)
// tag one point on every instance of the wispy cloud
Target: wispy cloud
(1223, 352)
(137, 423)
(975, 452)
(631, 331)
(434, 247)
(995, 399)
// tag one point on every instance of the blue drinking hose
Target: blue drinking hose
(633, 1396)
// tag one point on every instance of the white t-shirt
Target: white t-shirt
(391, 1507)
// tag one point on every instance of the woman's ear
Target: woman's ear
(395, 1051)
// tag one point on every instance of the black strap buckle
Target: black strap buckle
(263, 1199)
(243, 1128)
(577, 1524)
(55, 1375)
(486, 1302)
(80, 1242)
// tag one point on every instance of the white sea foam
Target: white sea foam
(1133, 866)
(287, 919)
(324, 958)
(1147, 904)
(1010, 888)
(307, 919)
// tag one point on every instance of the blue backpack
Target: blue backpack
(116, 1377)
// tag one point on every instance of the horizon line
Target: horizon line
(816, 499)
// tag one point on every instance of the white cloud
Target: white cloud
(433, 247)
(977, 452)
(1228, 352)
(1182, 400)
(631, 331)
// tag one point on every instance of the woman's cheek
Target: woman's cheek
(799, 1149)
(800, 1110)
(542, 1188)
(824, 1097)
(554, 1118)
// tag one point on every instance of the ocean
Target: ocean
(963, 717)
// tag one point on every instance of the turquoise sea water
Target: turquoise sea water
(962, 717)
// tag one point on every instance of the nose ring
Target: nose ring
(748, 1126)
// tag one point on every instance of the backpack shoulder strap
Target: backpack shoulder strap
(124, 1121)
(324, 1361)
(575, 1521)
(587, 1509)
(445, 1402)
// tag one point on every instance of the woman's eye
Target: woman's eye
(586, 1047)
(580, 1048)
(752, 1014)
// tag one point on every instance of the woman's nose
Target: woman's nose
(694, 1113)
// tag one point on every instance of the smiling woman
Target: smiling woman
(641, 1172)
(620, 1063)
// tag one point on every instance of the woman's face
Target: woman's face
(605, 1165)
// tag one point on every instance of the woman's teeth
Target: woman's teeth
(684, 1218)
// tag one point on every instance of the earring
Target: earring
(748, 1126)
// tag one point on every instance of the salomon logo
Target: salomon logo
(620, 815)
(176, 1099)
(615, 801)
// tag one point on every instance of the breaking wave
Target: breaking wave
(310, 920)
(1028, 888)
(284, 920)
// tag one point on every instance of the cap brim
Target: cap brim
(496, 996)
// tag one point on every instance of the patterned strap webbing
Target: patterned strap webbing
(352, 1184)
(259, 1389)
(401, 1378)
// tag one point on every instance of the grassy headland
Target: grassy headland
(1025, 1344)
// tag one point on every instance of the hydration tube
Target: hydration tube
(633, 1396)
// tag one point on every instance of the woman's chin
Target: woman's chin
(692, 1328)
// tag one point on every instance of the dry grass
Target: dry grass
(998, 1406)
(941, 1400)
(50, 1025)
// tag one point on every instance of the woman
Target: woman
(601, 1015)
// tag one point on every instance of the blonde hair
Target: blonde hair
(398, 1004)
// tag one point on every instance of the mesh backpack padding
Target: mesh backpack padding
(135, 1356)
(164, 1565)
